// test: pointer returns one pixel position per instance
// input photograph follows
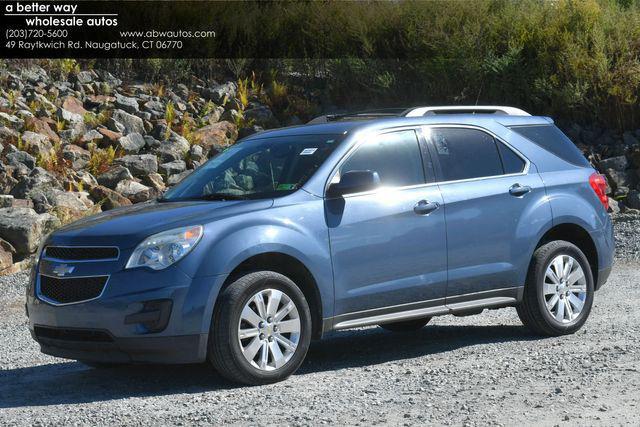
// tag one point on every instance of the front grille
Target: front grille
(79, 253)
(90, 335)
(73, 289)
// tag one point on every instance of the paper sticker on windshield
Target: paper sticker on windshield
(286, 187)
(308, 151)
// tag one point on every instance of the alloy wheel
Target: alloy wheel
(269, 329)
(564, 288)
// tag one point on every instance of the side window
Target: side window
(395, 156)
(511, 162)
(466, 153)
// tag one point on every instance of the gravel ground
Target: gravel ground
(476, 370)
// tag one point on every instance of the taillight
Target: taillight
(599, 185)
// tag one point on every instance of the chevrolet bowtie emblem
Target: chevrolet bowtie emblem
(63, 269)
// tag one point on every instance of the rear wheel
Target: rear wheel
(406, 325)
(261, 329)
(559, 291)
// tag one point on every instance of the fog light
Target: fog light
(154, 315)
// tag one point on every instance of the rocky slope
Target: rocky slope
(89, 142)
(76, 144)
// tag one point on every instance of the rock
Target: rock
(154, 180)
(36, 143)
(196, 153)
(92, 136)
(38, 179)
(132, 143)
(134, 191)
(42, 127)
(74, 105)
(215, 138)
(129, 122)
(110, 137)
(154, 106)
(244, 132)
(151, 142)
(618, 164)
(139, 164)
(174, 179)
(633, 200)
(84, 77)
(6, 255)
(614, 207)
(11, 121)
(21, 157)
(70, 117)
(621, 181)
(214, 116)
(128, 104)
(7, 182)
(108, 199)
(113, 176)
(172, 168)
(78, 157)
(6, 200)
(8, 135)
(220, 93)
(69, 205)
(261, 116)
(97, 101)
(24, 228)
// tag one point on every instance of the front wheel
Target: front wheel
(559, 291)
(261, 329)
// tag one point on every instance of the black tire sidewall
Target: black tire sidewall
(564, 248)
(284, 284)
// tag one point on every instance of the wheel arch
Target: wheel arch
(579, 236)
(291, 267)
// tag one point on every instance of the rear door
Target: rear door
(489, 190)
(387, 251)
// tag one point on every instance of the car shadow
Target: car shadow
(73, 382)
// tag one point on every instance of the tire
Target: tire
(406, 325)
(262, 331)
(543, 309)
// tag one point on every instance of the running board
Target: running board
(460, 307)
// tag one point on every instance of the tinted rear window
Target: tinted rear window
(552, 139)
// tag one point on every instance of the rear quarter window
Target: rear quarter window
(553, 140)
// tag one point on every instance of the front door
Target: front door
(388, 246)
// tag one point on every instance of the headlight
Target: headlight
(163, 249)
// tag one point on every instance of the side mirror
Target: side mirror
(354, 182)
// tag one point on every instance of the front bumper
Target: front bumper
(116, 314)
(157, 349)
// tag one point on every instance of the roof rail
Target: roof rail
(360, 115)
(465, 109)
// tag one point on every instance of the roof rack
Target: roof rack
(360, 115)
(465, 109)
(420, 111)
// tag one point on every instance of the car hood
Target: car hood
(126, 227)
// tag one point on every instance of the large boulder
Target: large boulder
(134, 191)
(132, 143)
(108, 199)
(129, 122)
(114, 175)
(77, 156)
(139, 164)
(216, 137)
(24, 228)
(74, 105)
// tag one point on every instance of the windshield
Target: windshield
(258, 168)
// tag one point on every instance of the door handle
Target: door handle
(519, 190)
(425, 207)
